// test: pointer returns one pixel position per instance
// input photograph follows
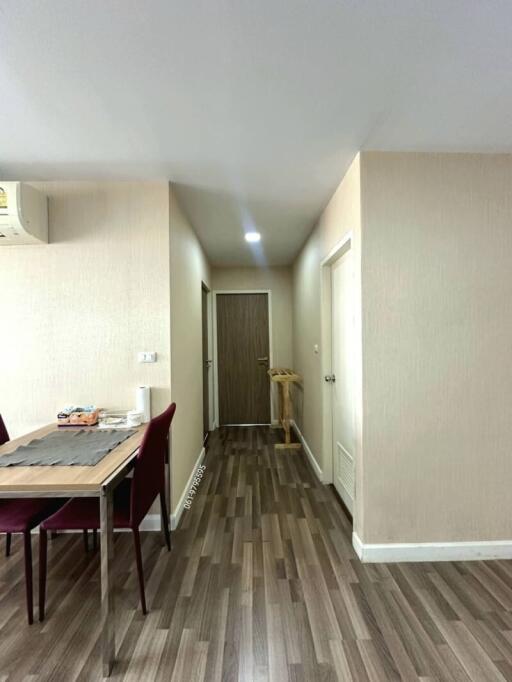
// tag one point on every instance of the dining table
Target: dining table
(99, 481)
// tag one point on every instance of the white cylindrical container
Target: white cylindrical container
(143, 402)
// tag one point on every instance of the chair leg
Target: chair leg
(94, 539)
(165, 520)
(140, 571)
(28, 576)
(86, 539)
(43, 551)
(8, 538)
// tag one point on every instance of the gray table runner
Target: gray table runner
(67, 448)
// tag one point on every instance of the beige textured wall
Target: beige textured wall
(437, 292)
(75, 312)
(341, 216)
(436, 277)
(189, 268)
(279, 281)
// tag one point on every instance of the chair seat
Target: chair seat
(21, 515)
(84, 512)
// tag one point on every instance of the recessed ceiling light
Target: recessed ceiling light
(252, 236)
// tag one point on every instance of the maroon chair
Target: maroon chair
(132, 500)
(21, 516)
(4, 438)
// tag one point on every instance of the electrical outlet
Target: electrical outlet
(146, 356)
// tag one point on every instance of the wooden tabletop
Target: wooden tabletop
(48, 479)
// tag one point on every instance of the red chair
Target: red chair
(21, 516)
(4, 436)
(132, 501)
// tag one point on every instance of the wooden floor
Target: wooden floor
(262, 584)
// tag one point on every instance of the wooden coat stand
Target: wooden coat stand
(283, 378)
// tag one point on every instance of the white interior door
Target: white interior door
(342, 296)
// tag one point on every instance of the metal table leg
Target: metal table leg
(107, 580)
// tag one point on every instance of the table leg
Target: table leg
(286, 411)
(107, 581)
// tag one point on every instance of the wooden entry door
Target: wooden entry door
(243, 358)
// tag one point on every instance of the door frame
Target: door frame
(211, 393)
(217, 292)
(340, 249)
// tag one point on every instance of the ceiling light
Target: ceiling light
(252, 236)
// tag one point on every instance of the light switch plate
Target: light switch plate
(146, 356)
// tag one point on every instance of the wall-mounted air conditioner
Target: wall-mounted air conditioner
(23, 214)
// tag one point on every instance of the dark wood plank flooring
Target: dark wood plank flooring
(262, 584)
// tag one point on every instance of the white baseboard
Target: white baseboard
(357, 545)
(316, 468)
(151, 522)
(432, 551)
(178, 511)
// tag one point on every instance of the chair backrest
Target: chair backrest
(149, 471)
(4, 436)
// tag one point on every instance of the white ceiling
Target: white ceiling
(254, 108)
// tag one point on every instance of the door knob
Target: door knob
(330, 378)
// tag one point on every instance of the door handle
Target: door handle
(330, 378)
(262, 359)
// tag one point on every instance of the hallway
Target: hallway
(262, 584)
